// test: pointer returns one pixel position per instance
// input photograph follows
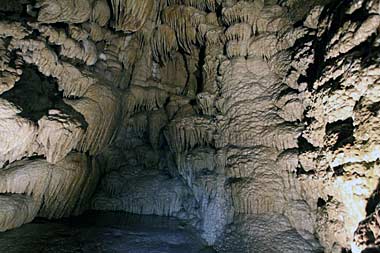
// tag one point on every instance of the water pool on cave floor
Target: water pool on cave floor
(104, 232)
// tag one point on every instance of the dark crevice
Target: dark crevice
(287, 91)
(373, 200)
(35, 94)
(304, 145)
(201, 62)
(374, 108)
(321, 203)
(372, 250)
(345, 131)
(301, 171)
(331, 85)
(338, 171)
(185, 90)
(320, 45)
(17, 9)
(233, 180)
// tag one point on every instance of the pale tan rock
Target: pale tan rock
(13, 29)
(183, 134)
(32, 188)
(255, 121)
(9, 75)
(71, 11)
(58, 134)
(71, 80)
(101, 12)
(351, 35)
(84, 50)
(164, 42)
(17, 134)
(100, 108)
(130, 16)
(143, 99)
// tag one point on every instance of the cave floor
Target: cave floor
(103, 232)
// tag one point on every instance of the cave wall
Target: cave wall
(254, 121)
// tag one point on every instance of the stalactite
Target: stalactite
(160, 196)
(255, 121)
(132, 53)
(130, 15)
(239, 32)
(184, 134)
(157, 121)
(138, 123)
(268, 44)
(13, 29)
(98, 33)
(206, 102)
(143, 99)
(184, 21)
(164, 43)
(352, 34)
(236, 49)
(16, 210)
(242, 12)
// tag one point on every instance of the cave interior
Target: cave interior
(190, 126)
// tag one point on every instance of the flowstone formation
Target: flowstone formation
(254, 121)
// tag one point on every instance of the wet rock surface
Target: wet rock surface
(95, 232)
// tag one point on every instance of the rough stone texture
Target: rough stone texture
(37, 188)
(254, 121)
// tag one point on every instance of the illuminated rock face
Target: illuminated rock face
(254, 121)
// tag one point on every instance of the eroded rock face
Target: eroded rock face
(254, 121)
(31, 188)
